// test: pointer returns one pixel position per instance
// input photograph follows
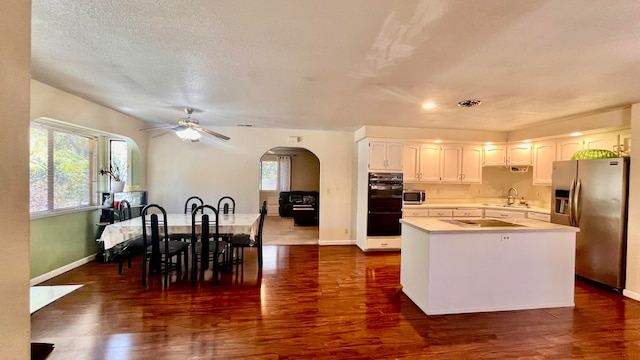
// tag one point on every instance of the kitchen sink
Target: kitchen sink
(485, 223)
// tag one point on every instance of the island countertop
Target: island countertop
(439, 225)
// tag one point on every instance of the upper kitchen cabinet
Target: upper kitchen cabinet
(625, 143)
(519, 154)
(604, 141)
(495, 155)
(461, 164)
(565, 148)
(509, 154)
(385, 155)
(421, 162)
(544, 153)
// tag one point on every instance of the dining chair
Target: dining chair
(242, 241)
(227, 205)
(131, 247)
(159, 249)
(192, 203)
(208, 244)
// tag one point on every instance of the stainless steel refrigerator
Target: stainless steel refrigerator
(592, 195)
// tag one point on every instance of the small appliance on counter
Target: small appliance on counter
(413, 197)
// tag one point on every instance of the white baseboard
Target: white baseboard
(336, 242)
(51, 274)
(631, 294)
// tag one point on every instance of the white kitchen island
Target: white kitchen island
(448, 267)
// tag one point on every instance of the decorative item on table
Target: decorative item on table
(116, 175)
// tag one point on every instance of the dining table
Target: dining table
(239, 223)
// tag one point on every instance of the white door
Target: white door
(451, 164)
(495, 155)
(472, 164)
(394, 156)
(429, 164)
(410, 159)
(519, 154)
(544, 154)
(565, 148)
(377, 155)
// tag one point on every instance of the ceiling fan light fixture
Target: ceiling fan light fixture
(188, 134)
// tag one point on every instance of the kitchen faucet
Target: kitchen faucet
(511, 199)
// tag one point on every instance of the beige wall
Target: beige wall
(15, 55)
(212, 169)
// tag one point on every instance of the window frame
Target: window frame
(94, 152)
(277, 188)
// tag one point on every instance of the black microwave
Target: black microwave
(413, 196)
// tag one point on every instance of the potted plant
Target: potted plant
(115, 174)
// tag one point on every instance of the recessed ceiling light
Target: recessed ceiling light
(469, 103)
(489, 143)
(438, 141)
(577, 133)
(428, 105)
(526, 141)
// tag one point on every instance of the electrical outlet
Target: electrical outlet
(505, 237)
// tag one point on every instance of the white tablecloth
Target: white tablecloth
(120, 232)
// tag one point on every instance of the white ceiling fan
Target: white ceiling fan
(189, 129)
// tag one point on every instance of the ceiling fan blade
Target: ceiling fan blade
(161, 134)
(157, 128)
(213, 133)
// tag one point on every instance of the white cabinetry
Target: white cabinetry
(510, 154)
(503, 214)
(415, 212)
(539, 216)
(444, 213)
(606, 141)
(467, 212)
(433, 163)
(544, 154)
(565, 148)
(385, 155)
(495, 155)
(519, 154)
(421, 163)
(461, 164)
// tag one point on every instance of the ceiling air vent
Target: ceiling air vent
(469, 103)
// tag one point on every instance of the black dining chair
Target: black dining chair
(192, 203)
(131, 247)
(227, 205)
(242, 241)
(204, 243)
(159, 249)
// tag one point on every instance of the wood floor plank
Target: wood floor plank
(329, 302)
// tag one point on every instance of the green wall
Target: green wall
(57, 241)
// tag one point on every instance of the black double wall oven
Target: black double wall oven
(384, 204)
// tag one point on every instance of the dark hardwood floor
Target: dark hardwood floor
(331, 302)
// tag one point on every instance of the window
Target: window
(118, 154)
(275, 175)
(268, 175)
(62, 166)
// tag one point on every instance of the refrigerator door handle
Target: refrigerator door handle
(571, 193)
(576, 202)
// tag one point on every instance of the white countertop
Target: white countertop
(437, 225)
(477, 206)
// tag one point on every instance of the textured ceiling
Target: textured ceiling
(341, 64)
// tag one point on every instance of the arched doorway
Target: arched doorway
(290, 183)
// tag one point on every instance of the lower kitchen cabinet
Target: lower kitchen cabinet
(384, 243)
(504, 214)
